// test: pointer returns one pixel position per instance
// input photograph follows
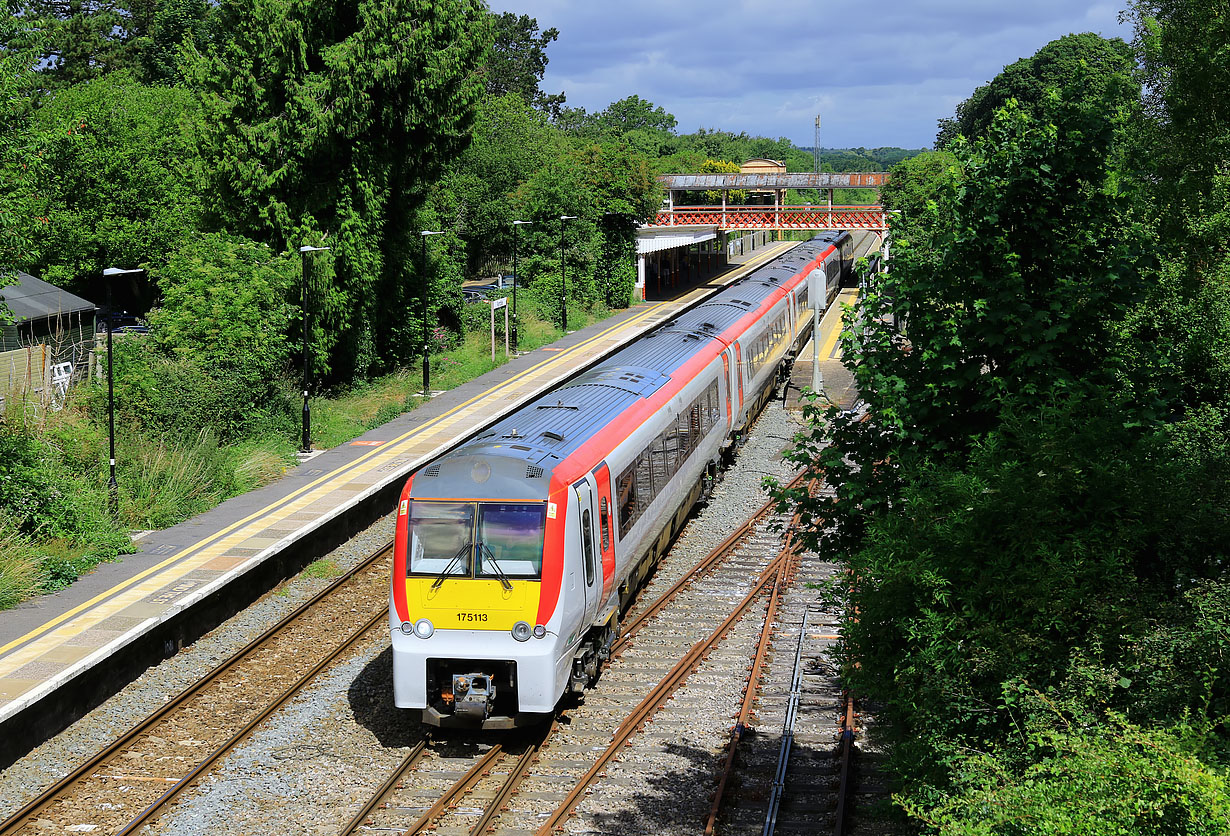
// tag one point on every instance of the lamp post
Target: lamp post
(563, 269)
(113, 487)
(426, 287)
(516, 281)
(306, 446)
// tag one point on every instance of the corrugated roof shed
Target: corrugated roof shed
(33, 298)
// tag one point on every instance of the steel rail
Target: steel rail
(719, 552)
(411, 759)
(26, 814)
(499, 804)
(845, 748)
(745, 709)
(241, 735)
(751, 692)
(458, 789)
(783, 754)
(775, 572)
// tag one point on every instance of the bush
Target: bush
(1109, 779)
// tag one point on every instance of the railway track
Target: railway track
(130, 782)
(790, 775)
(482, 783)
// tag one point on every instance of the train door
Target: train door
(588, 523)
(739, 374)
(606, 529)
(730, 418)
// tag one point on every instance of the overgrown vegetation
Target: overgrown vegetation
(205, 143)
(1033, 505)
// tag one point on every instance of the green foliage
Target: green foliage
(1081, 69)
(1118, 779)
(117, 181)
(334, 120)
(1032, 497)
(225, 314)
(518, 60)
(21, 222)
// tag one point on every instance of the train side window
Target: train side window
(657, 456)
(628, 508)
(587, 545)
(604, 522)
(686, 436)
(644, 483)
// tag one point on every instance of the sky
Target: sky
(878, 73)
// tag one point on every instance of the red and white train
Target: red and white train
(517, 551)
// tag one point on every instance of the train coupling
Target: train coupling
(473, 695)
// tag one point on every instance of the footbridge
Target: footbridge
(776, 216)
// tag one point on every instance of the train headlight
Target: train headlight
(539, 631)
(521, 631)
(423, 628)
(407, 627)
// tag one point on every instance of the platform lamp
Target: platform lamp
(426, 288)
(113, 487)
(516, 281)
(306, 447)
(563, 269)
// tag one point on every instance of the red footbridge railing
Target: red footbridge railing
(782, 217)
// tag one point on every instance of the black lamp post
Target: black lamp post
(113, 487)
(306, 446)
(563, 269)
(516, 281)
(426, 288)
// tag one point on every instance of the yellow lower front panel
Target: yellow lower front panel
(473, 604)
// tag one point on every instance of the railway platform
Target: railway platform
(63, 654)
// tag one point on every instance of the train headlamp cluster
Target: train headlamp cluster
(522, 631)
(423, 628)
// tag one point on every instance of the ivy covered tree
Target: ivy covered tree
(329, 122)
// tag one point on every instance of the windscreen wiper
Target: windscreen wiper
(448, 570)
(499, 573)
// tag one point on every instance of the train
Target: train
(517, 551)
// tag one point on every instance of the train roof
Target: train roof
(553, 426)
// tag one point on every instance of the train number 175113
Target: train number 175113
(471, 616)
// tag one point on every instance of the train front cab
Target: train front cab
(498, 584)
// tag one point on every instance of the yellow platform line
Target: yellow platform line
(199, 553)
(382, 452)
(845, 297)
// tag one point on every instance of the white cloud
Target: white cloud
(879, 74)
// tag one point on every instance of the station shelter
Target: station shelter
(670, 260)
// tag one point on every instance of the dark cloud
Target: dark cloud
(880, 73)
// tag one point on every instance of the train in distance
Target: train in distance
(517, 551)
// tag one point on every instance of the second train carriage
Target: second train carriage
(517, 551)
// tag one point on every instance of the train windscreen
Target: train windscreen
(475, 539)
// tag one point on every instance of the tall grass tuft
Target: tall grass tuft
(171, 481)
(19, 565)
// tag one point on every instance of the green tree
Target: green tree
(21, 218)
(334, 120)
(117, 179)
(712, 197)
(1080, 68)
(82, 40)
(228, 305)
(518, 60)
(634, 113)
